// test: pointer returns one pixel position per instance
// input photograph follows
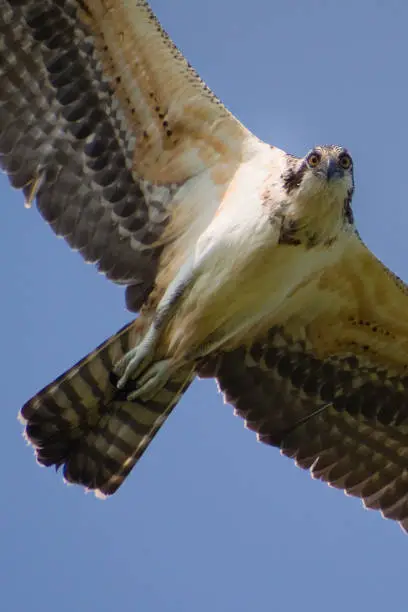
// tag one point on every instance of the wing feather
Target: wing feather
(330, 388)
(103, 122)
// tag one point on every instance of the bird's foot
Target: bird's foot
(152, 380)
(135, 361)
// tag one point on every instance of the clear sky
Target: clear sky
(210, 519)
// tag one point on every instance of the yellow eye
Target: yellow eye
(314, 159)
(345, 161)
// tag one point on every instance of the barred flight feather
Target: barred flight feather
(344, 421)
(82, 422)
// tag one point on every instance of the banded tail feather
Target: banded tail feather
(82, 422)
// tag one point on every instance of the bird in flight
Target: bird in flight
(242, 261)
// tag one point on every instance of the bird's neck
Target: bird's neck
(315, 218)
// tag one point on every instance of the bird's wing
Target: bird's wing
(104, 123)
(330, 387)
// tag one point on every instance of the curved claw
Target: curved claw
(135, 361)
(132, 364)
(152, 380)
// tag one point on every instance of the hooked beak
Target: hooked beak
(333, 170)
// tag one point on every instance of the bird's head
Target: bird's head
(320, 186)
(329, 167)
(325, 167)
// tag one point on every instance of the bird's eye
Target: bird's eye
(345, 161)
(314, 159)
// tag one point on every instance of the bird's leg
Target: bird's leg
(135, 363)
(137, 359)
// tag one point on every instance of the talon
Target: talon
(133, 363)
(120, 366)
(143, 393)
(152, 381)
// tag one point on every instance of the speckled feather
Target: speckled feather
(103, 157)
(73, 136)
(330, 389)
(333, 417)
(131, 158)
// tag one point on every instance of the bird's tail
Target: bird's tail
(82, 422)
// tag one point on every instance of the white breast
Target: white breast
(243, 275)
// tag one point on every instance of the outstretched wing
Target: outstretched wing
(104, 122)
(330, 387)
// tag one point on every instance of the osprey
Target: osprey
(243, 261)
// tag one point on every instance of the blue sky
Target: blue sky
(210, 519)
